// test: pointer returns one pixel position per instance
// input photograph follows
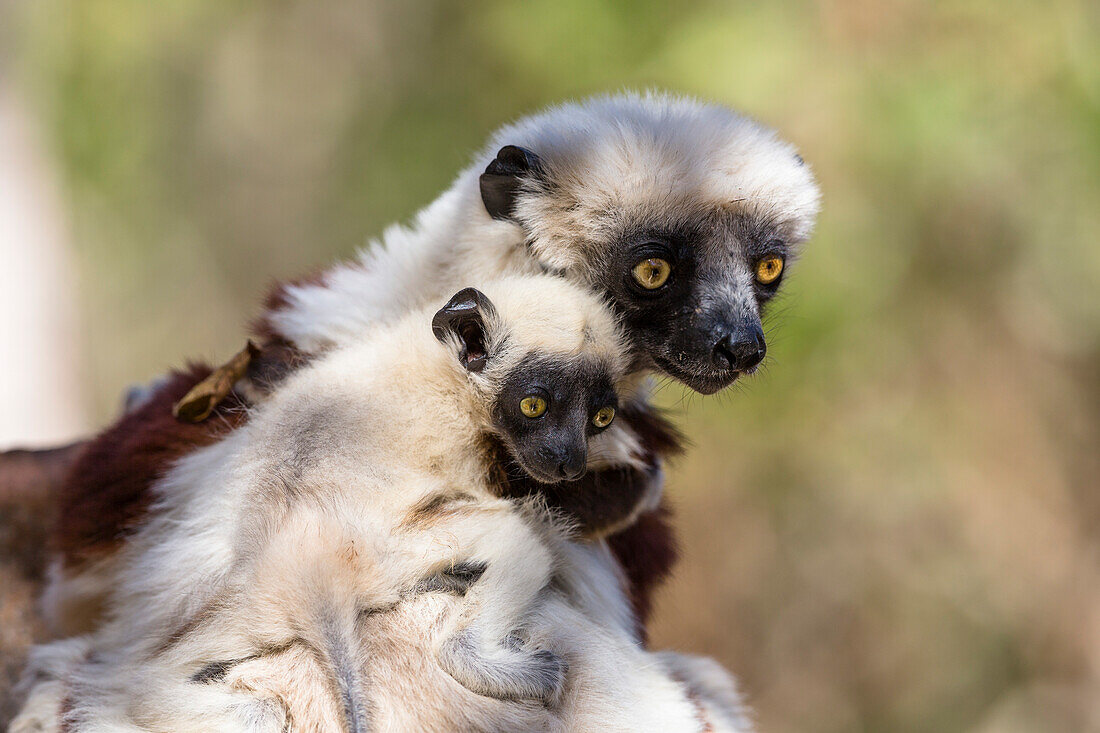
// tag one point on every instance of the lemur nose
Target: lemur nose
(741, 351)
(572, 466)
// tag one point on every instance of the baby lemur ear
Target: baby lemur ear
(464, 316)
(501, 179)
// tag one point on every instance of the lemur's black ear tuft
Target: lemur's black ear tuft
(464, 316)
(501, 179)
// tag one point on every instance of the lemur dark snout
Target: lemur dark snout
(572, 463)
(741, 348)
(563, 461)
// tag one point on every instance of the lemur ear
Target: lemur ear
(501, 179)
(464, 316)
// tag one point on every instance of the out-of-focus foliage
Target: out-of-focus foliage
(896, 526)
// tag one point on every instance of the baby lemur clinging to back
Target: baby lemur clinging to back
(376, 459)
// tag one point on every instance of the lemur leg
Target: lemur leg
(481, 647)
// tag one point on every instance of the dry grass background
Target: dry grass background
(896, 526)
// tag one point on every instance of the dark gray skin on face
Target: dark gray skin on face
(549, 447)
(553, 446)
(701, 327)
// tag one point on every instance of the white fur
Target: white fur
(278, 537)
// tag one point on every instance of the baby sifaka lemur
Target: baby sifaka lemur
(683, 216)
(365, 479)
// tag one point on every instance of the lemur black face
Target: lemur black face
(691, 298)
(690, 294)
(548, 408)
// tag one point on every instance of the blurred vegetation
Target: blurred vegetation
(896, 527)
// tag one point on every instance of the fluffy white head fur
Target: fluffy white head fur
(610, 161)
(613, 161)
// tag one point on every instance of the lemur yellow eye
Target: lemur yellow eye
(652, 273)
(532, 406)
(768, 270)
(603, 417)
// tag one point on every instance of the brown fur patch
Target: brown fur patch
(29, 480)
(647, 551)
(29, 484)
(20, 628)
(659, 437)
(275, 362)
(108, 488)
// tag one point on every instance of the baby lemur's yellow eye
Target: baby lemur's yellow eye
(532, 406)
(768, 270)
(652, 273)
(603, 417)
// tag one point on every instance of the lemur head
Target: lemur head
(685, 215)
(546, 360)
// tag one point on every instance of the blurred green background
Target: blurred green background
(894, 527)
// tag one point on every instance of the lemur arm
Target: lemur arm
(480, 647)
